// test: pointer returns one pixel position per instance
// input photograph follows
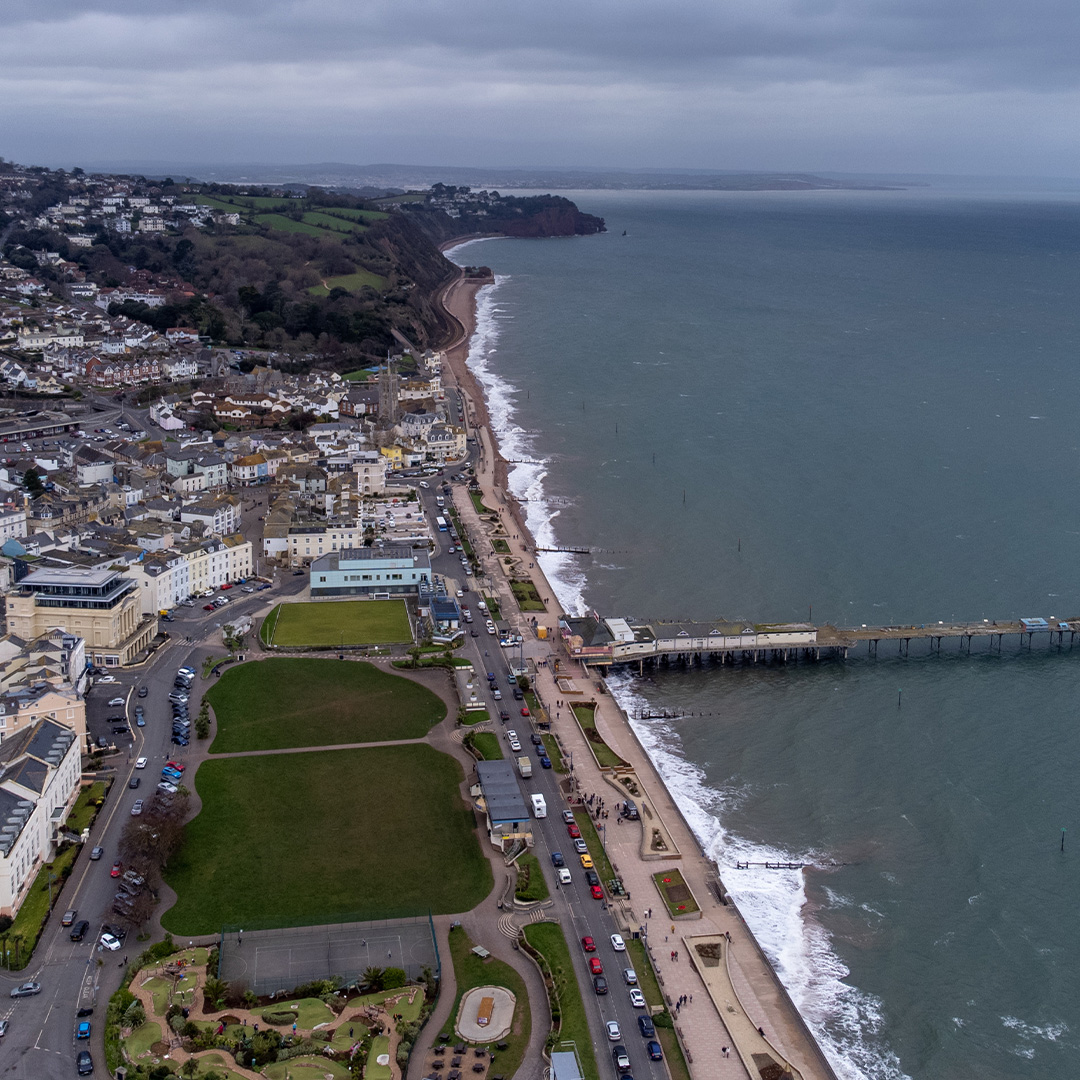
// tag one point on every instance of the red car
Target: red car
(595, 967)
(588, 944)
(525, 710)
(226, 586)
(209, 607)
(176, 765)
(597, 892)
(117, 869)
(573, 832)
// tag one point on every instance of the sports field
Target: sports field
(339, 622)
(282, 702)
(327, 836)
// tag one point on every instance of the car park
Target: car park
(646, 1027)
(588, 944)
(96, 853)
(637, 998)
(617, 943)
(26, 989)
(613, 1032)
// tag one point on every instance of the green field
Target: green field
(350, 282)
(336, 835)
(279, 703)
(286, 224)
(336, 224)
(343, 622)
(358, 376)
(358, 215)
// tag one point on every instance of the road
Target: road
(574, 908)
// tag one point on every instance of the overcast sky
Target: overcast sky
(946, 86)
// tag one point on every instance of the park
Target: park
(332, 624)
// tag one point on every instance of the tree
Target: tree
(32, 481)
(372, 978)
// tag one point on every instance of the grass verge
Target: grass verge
(548, 940)
(469, 972)
(281, 702)
(596, 849)
(269, 625)
(25, 931)
(586, 718)
(87, 806)
(551, 748)
(478, 502)
(531, 885)
(327, 836)
(487, 745)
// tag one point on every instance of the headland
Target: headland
(743, 1024)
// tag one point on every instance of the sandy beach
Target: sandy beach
(743, 1018)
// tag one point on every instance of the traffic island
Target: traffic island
(486, 1014)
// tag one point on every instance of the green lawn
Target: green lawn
(469, 972)
(358, 215)
(549, 940)
(336, 224)
(528, 599)
(283, 702)
(29, 922)
(142, 1038)
(357, 376)
(327, 836)
(86, 807)
(286, 224)
(530, 882)
(675, 892)
(342, 622)
(605, 756)
(487, 743)
(373, 1070)
(596, 849)
(350, 282)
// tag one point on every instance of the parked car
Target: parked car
(116, 701)
(573, 831)
(645, 1025)
(568, 817)
(169, 789)
(580, 846)
(179, 740)
(617, 943)
(208, 607)
(652, 1048)
(136, 807)
(82, 1031)
(637, 998)
(111, 944)
(545, 761)
(84, 1063)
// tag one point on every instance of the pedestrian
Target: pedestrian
(723, 1050)
(294, 1027)
(350, 1033)
(389, 953)
(691, 999)
(255, 1027)
(673, 928)
(761, 1032)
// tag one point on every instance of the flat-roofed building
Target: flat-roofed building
(99, 605)
(371, 571)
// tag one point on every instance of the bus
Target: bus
(441, 522)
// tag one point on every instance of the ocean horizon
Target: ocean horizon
(857, 407)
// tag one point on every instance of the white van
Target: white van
(539, 806)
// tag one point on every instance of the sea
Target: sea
(855, 407)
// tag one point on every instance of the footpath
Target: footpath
(737, 1020)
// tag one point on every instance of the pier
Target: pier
(601, 642)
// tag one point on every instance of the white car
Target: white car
(637, 998)
(613, 1032)
(169, 789)
(565, 879)
(617, 943)
(106, 678)
(116, 701)
(424, 484)
(140, 763)
(490, 629)
(109, 942)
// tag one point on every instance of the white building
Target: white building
(38, 788)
